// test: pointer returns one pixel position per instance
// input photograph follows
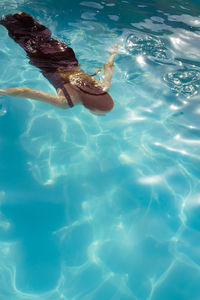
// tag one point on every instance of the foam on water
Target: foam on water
(104, 207)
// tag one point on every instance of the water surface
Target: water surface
(107, 207)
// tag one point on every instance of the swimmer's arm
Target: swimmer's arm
(24, 92)
(109, 68)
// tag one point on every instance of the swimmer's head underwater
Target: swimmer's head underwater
(97, 104)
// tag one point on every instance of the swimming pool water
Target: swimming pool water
(92, 207)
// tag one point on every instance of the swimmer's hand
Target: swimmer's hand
(114, 49)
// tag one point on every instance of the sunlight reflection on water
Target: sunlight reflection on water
(105, 208)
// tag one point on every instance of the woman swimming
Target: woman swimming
(59, 65)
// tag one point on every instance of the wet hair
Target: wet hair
(102, 102)
(90, 90)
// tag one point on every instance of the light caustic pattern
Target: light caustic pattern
(130, 180)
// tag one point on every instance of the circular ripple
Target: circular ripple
(183, 82)
(146, 45)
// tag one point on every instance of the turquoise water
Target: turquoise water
(92, 207)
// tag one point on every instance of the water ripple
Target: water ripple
(147, 45)
(129, 182)
(183, 82)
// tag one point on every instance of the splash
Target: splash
(142, 44)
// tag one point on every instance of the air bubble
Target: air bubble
(3, 109)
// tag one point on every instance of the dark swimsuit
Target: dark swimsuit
(54, 58)
(44, 52)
